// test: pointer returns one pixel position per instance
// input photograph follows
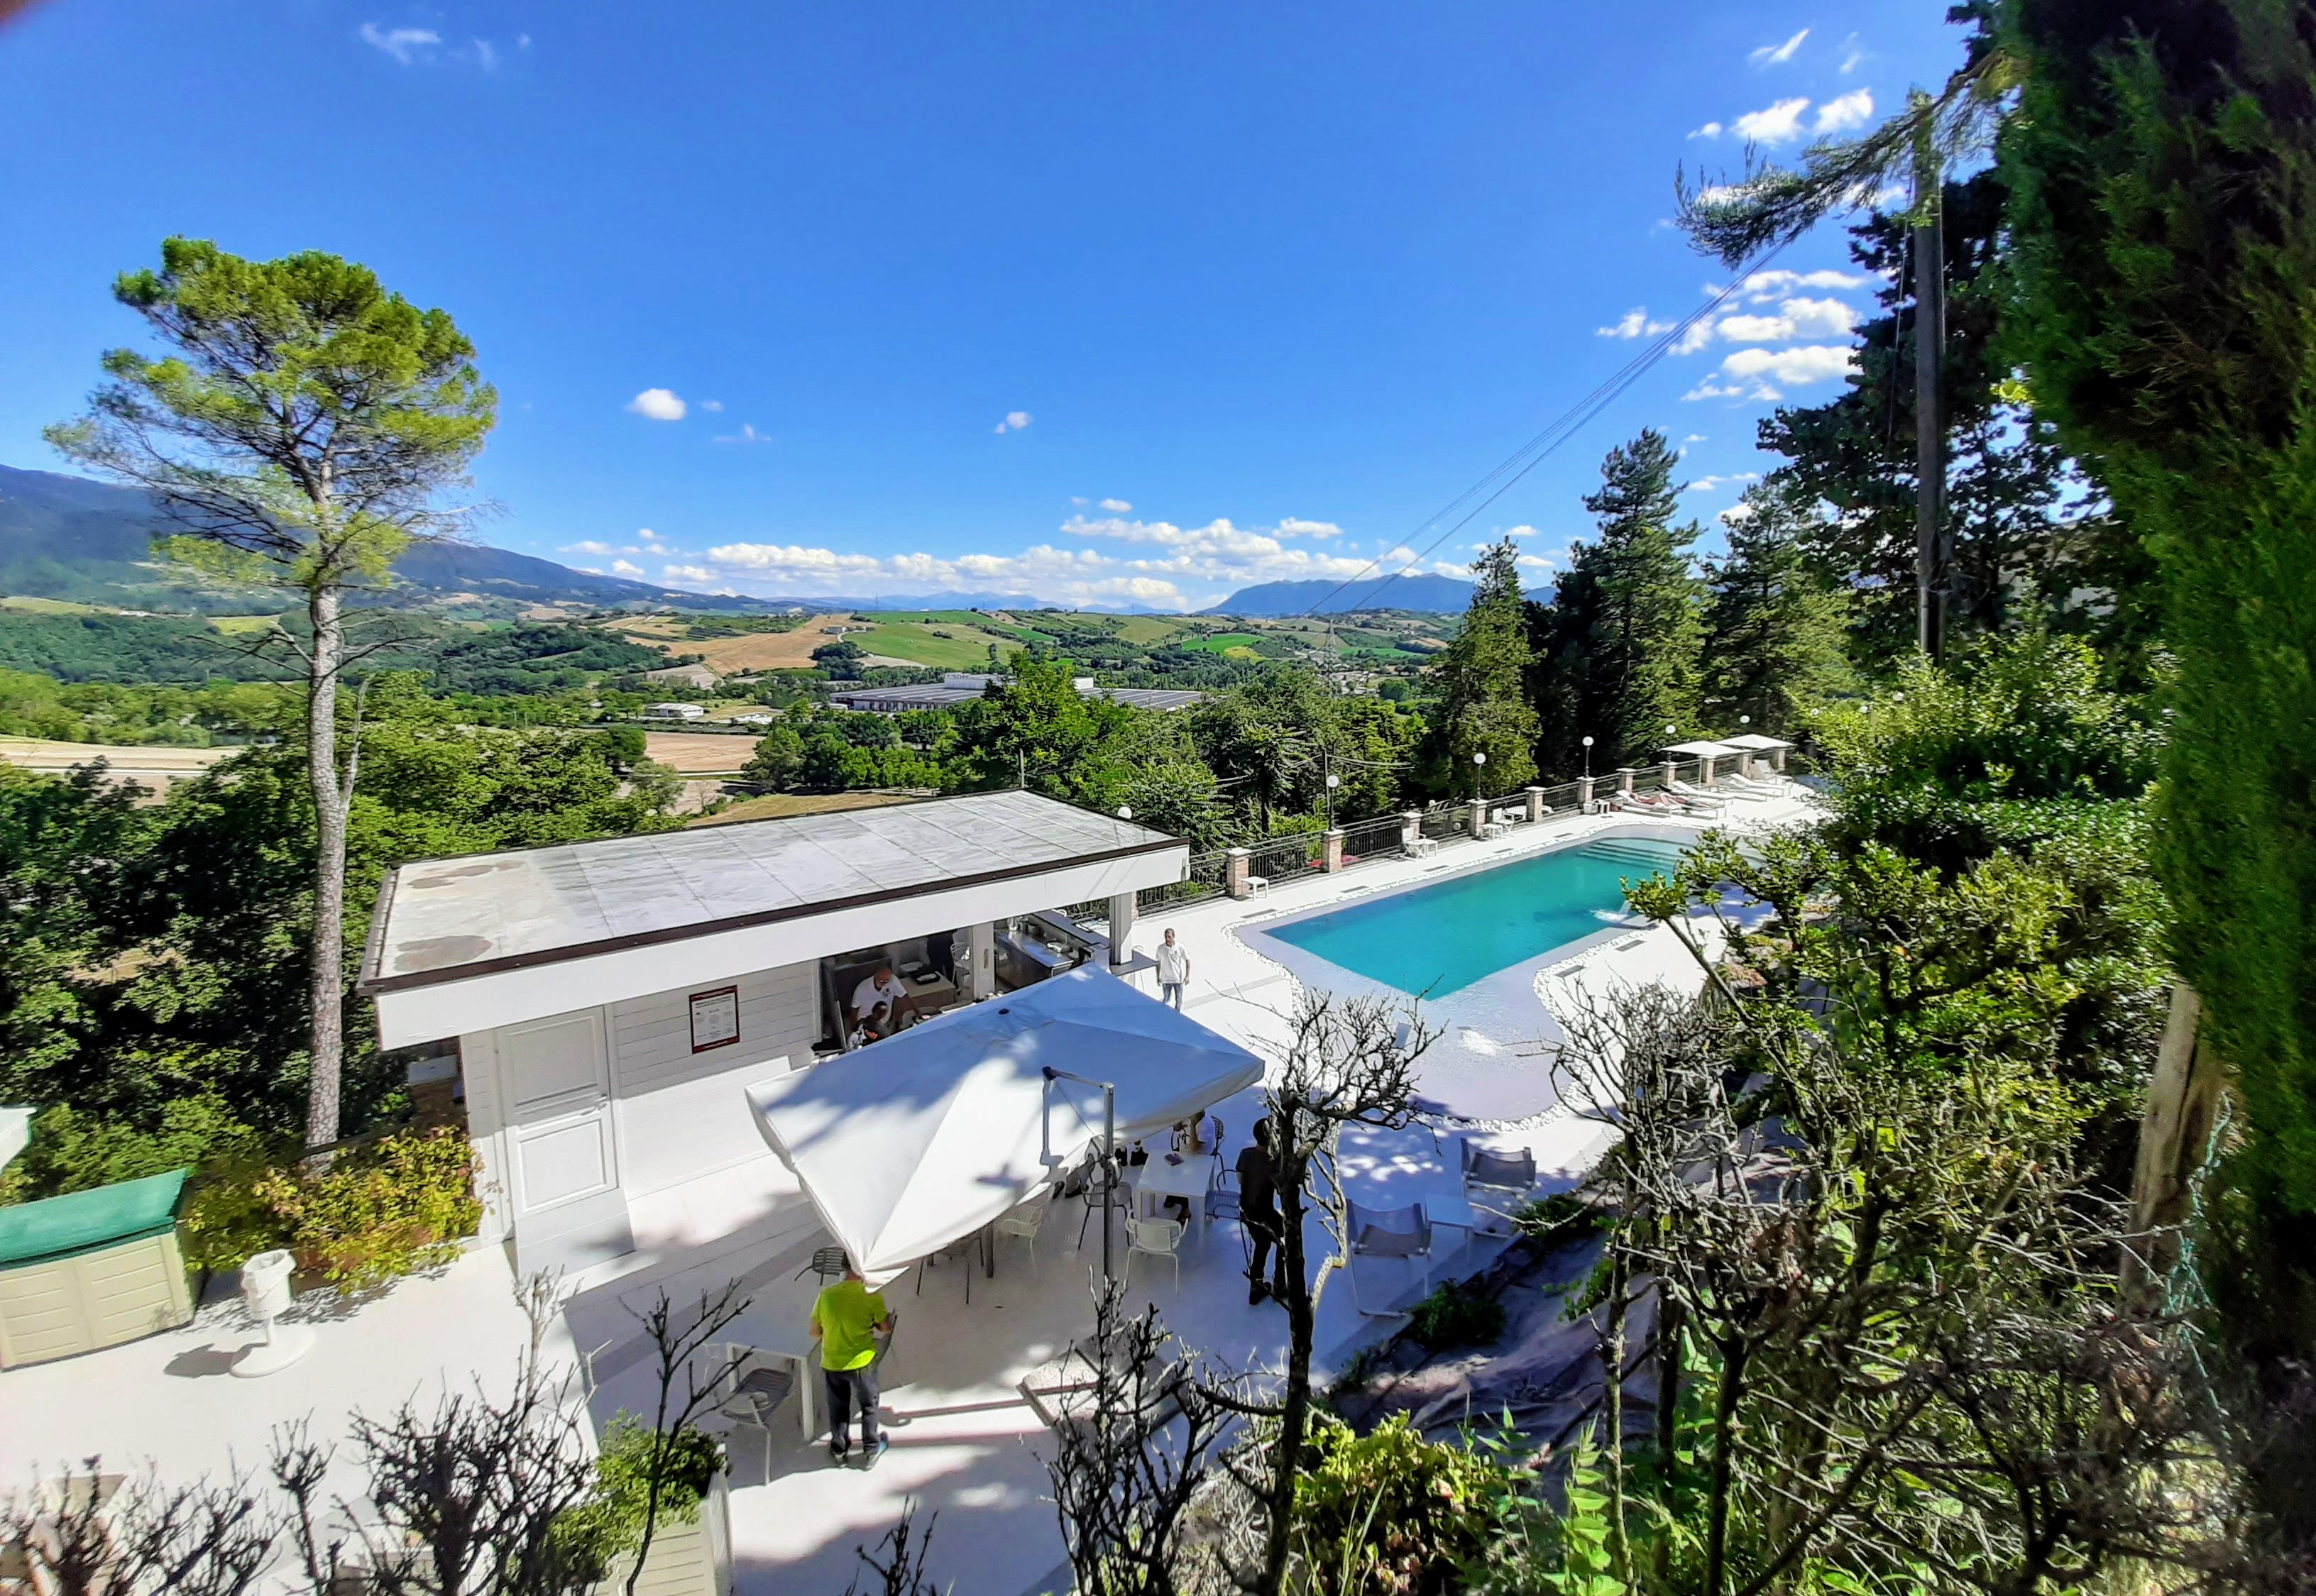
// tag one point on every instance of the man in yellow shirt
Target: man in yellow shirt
(846, 1320)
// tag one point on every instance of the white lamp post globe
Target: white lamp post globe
(1126, 811)
(1588, 742)
(1334, 780)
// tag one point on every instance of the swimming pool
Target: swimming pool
(1442, 937)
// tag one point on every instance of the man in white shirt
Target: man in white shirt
(1173, 970)
(880, 1002)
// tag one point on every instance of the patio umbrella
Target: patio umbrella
(918, 1141)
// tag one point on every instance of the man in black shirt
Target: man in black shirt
(1258, 1207)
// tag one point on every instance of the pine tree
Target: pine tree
(1621, 642)
(1776, 630)
(1481, 706)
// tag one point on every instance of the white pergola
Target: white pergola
(1704, 753)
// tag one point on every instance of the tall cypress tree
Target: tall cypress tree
(1620, 643)
(1481, 706)
(1776, 630)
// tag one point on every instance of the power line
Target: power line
(1538, 449)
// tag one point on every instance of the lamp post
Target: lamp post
(1126, 811)
(1478, 773)
(1108, 1144)
(1588, 759)
(1332, 783)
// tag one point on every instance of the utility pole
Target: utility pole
(1933, 552)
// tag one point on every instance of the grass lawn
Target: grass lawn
(47, 606)
(963, 650)
(1146, 629)
(1223, 642)
(242, 626)
(776, 806)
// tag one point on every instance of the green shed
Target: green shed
(91, 1268)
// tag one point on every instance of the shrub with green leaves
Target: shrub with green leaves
(394, 1208)
(1392, 1515)
(71, 1151)
(1455, 1316)
(610, 1523)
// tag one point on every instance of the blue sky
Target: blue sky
(1113, 303)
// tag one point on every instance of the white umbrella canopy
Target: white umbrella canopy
(908, 1145)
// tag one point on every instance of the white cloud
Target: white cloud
(1080, 500)
(1777, 124)
(1106, 559)
(1695, 437)
(1778, 55)
(485, 57)
(1853, 55)
(746, 434)
(1714, 484)
(1634, 323)
(711, 405)
(1795, 318)
(1116, 506)
(1764, 286)
(1853, 109)
(658, 404)
(1755, 374)
(1533, 562)
(1015, 420)
(1739, 510)
(589, 547)
(1710, 130)
(523, 40)
(645, 533)
(405, 45)
(620, 567)
(686, 573)
(1699, 334)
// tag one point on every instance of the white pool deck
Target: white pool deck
(965, 1439)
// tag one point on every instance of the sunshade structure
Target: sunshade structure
(1755, 743)
(1703, 749)
(905, 1146)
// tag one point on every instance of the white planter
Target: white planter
(693, 1559)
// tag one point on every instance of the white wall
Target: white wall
(680, 1113)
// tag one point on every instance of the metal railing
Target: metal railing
(1444, 823)
(1204, 881)
(1366, 841)
(1284, 859)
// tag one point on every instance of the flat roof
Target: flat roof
(1701, 750)
(449, 919)
(936, 696)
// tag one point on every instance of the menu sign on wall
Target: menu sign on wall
(715, 1018)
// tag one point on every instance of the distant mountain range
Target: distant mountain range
(90, 542)
(1438, 595)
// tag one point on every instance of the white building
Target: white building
(672, 711)
(611, 1001)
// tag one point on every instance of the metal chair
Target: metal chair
(757, 1383)
(1490, 1170)
(1155, 1238)
(1388, 1233)
(827, 1262)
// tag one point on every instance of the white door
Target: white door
(557, 1076)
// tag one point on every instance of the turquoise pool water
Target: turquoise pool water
(1439, 939)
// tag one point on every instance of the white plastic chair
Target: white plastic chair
(1487, 1168)
(1157, 1238)
(1026, 1219)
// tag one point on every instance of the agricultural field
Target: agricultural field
(780, 806)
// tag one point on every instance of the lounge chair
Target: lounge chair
(1703, 796)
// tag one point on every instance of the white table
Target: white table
(1188, 1179)
(1423, 847)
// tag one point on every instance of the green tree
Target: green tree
(1775, 630)
(299, 431)
(1479, 681)
(1619, 648)
(2162, 173)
